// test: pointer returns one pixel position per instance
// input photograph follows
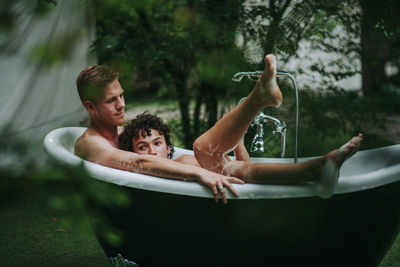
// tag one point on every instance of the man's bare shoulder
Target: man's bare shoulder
(94, 147)
(91, 143)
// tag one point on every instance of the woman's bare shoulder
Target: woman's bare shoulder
(188, 160)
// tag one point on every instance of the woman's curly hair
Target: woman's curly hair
(142, 124)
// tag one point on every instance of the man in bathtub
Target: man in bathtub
(102, 96)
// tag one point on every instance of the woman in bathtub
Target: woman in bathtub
(148, 135)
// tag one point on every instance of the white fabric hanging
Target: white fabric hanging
(36, 97)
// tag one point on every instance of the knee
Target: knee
(197, 147)
(204, 150)
(207, 157)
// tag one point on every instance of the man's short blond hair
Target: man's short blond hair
(92, 81)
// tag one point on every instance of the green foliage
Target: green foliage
(42, 2)
(181, 49)
(41, 212)
(361, 31)
(189, 50)
(21, 176)
(96, 197)
(52, 48)
(328, 120)
(51, 54)
(16, 158)
(34, 234)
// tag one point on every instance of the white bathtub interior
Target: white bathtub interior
(366, 169)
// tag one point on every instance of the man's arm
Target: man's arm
(98, 150)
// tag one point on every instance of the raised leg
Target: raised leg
(225, 135)
(323, 171)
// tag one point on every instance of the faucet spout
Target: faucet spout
(257, 145)
(251, 75)
(258, 141)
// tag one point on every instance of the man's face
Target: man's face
(110, 108)
(154, 144)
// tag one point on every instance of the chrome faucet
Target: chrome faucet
(258, 141)
(257, 145)
(251, 75)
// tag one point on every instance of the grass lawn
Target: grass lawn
(34, 234)
(392, 258)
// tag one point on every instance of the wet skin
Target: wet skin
(99, 144)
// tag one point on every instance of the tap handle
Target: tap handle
(280, 127)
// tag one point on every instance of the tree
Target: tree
(357, 34)
(186, 48)
(376, 46)
(189, 49)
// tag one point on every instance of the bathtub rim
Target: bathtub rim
(58, 152)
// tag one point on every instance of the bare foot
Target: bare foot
(345, 151)
(267, 86)
(330, 170)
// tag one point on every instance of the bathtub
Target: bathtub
(176, 223)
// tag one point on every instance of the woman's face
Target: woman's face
(153, 144)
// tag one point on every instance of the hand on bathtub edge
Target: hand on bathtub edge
(218, 184)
